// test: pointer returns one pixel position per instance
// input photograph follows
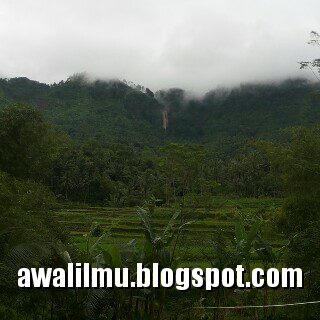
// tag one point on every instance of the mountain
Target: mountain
(110, 111)
(248, 111)
(115, 112)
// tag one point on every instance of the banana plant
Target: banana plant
(99, 252)
(158, 247)
(92, 302)
(245, 241)
(226, 256)
(161, 247)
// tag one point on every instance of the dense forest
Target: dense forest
(120, 112)
(112, 144)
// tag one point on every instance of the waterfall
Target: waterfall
(165, 120)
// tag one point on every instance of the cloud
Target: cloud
(196, 45)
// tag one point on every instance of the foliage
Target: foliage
(26, 143)
(298, 162)
(315, 63)
(114, 112)
(39, 164)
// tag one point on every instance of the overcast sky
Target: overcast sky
(196, 45)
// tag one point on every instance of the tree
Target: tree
(26, 143)
(298, 162)
(250, 174)
(185, 169)
(314, 65)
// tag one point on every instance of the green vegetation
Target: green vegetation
(93, 177)
(123, 224)
(114, 112)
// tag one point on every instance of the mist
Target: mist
(194, 45)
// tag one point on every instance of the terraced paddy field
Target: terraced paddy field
(196, 240)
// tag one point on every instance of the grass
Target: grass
(124, 225)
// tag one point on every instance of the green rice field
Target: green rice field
(196, 240)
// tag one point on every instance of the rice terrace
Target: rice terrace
(123, 225)
(159, 160)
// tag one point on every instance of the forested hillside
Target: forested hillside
(247, 111)
(115, 112)
(177, 177)
(78, 156)
(108, 111)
